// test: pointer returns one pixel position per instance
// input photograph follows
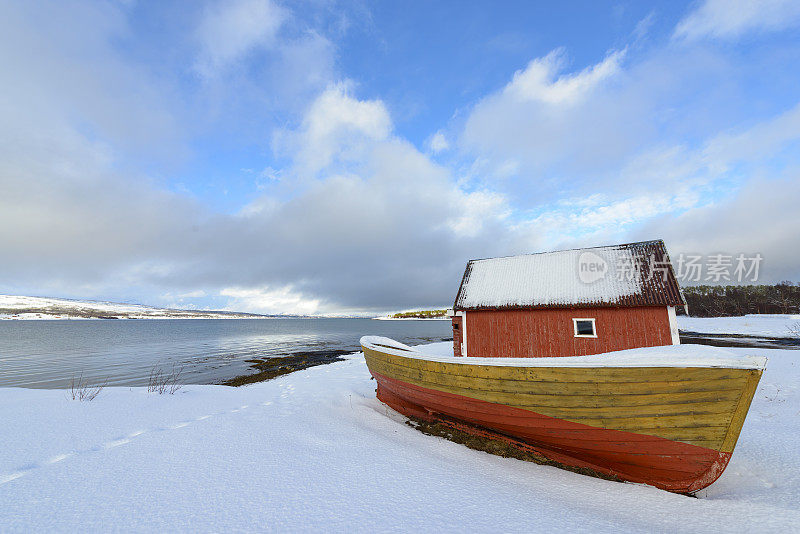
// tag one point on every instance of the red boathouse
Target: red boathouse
(567, 303)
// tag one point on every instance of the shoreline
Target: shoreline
(44, 317)
(410, 318)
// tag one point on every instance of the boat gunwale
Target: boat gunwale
(605, 360)
(595, 381)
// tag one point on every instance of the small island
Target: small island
(420, 314)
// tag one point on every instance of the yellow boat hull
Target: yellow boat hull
(674, 427)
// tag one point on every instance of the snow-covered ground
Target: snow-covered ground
(17, 307)
(769, 325)
(315, 450)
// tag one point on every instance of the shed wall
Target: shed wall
(550, 332)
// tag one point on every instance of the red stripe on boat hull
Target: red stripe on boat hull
(666, 464)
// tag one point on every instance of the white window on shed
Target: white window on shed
(584, 327)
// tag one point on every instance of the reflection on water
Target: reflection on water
(47, 354)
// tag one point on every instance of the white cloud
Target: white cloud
(268, 175)
(305, 63)
(660, 122)
(283, 300)
(438, 143)
(61, 73)
(196, 294)
(361, 218)
(179, 301)
(733, 18)
(335, 112)
(643, 26)
(599, 216)
(260, 63)
(540, 80)
(386, 229)
(379, 215)
(759, 141)
(71, 106)
(338, 126)
(228, 31)
(671, 180)
(475, 209)
(762, 218)
(545, 116)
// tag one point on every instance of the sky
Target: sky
(324, 157)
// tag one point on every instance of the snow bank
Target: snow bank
(315, 450)
(19, 308)
(768, 325)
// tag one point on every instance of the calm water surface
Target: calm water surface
(47, 354)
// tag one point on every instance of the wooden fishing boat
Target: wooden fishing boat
(665, 416)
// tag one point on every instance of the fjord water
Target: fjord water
(48, 354)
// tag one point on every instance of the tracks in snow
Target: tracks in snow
(286, 392)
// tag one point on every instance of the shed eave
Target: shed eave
(568, 306)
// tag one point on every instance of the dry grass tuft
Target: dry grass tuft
(794, 329)
(161, 382)
(81, 390)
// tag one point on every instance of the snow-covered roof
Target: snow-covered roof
(633, 274)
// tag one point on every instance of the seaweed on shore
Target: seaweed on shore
(739, 340)
(492, 443)
(269, 368)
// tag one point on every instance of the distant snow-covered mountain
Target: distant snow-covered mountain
(20, 307)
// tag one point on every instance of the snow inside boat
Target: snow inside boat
(665, 416)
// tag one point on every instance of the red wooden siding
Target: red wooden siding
(457, 329)
(550, 332)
